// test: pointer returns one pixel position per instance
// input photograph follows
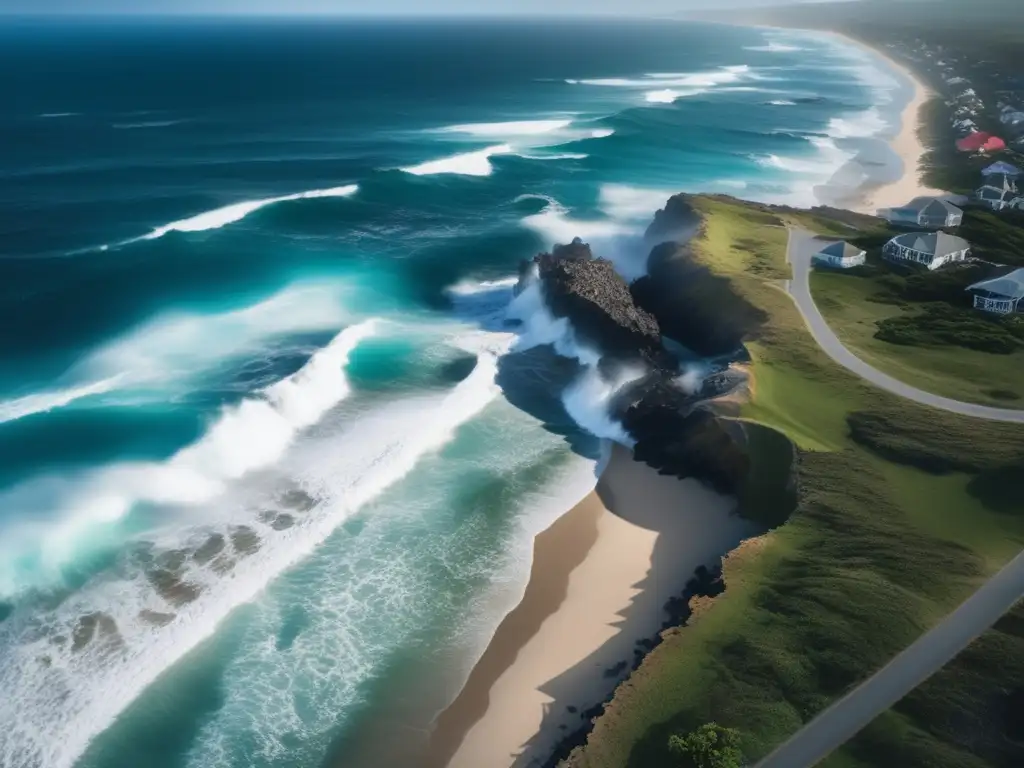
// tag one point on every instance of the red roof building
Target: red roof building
(980, 142)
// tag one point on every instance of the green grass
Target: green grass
(892, 529)
(854, 305)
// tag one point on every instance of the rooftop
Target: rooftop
(934, 243)
(1010, 285)
(842, 249)
(932, 205)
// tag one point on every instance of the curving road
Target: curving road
(802, 247)
(913, 666)
(937, 647)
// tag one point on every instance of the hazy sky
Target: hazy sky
(373, 7)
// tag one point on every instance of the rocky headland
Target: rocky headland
(673, 422)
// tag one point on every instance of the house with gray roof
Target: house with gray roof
(926, 212)
(1002, 295)
(841, 255)
(1001, 168)
(999, 192)
(932, 249)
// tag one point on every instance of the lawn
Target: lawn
(902, 512)
(854, 304)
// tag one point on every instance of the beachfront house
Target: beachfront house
(932, 249)
(926, 212)
(998, 191)
(840, 255)
(1002, 295)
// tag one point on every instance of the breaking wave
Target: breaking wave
(476, 163)
(229, 214)
(164, 353)
(248, 436)
(53, 710)
(511, 128)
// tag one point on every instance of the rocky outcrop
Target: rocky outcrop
(597, 301)
(677, 438)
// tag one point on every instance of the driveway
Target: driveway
(802, 246)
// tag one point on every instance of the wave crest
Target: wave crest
(229, 214)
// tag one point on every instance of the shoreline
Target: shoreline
(870, 197)
(600, 579)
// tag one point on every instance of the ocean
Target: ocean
(272, 456)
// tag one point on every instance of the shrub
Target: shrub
(709, 746)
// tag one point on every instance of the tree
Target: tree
(710, 746)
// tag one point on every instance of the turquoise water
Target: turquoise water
(271, 459)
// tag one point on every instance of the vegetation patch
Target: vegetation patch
(903, 510)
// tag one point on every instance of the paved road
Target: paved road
(896, 679)
(802, 246)
(935, 648)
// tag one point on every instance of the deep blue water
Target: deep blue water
(257, 481)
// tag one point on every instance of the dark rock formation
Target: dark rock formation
(679, 439)
(597, 301)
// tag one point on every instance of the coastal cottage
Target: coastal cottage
(1002, 295)
(998, 192)
(1001, 168)
(932, 249)
(927, 212)
(841, 255)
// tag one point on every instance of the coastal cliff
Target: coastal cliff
(673, 430)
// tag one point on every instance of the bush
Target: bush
(709, 746)
(942, 325)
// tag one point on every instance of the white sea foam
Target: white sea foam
(774, 47)
(166, 351)
(512, 128)
(782, 103)
(627, 203)
(828, 159)
(51, 711)
(229, 214)
(602, 133)
(555, 225)
(588, 401)
(51, 115)
(666, 96)
(44, 402)
(476, 163)
(665, 80)
(554, 156)
(472, 287)
(857, 125)
(251, 435)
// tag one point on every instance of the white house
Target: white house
(1002, 295)
(841, 255)
(932, 249)
(999, 191)
(927, 212)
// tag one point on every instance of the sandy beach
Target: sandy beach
(600, 579)
(906, 144)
